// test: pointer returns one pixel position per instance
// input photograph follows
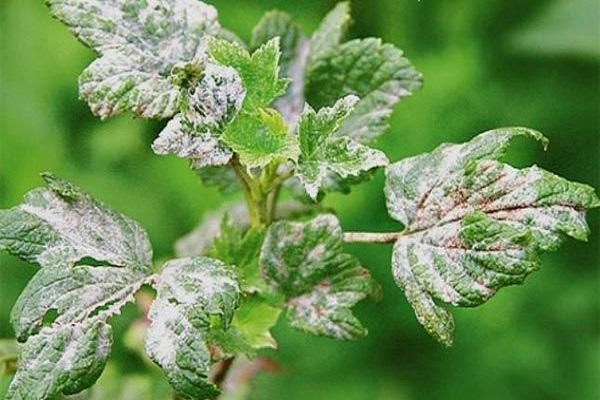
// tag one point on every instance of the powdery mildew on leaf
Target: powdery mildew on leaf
(212, 104)
(139, 43)
(94, 259)
(323, 153)
(63, 359)
(378, 73)
(475, 225)
(189, 292)
(62, 225)
(305, 263)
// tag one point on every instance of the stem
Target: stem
(371, 237)
(245, 180)
(223, 369)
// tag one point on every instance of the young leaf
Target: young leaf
(305, 264)
(259, 71)
(475, 225)
(241, 248)
(322, 153)
(377, 73)
(212, 104)
(261, 138)
(294, 55)
(93, 260)
(190, 292)
(139, 43)
(250, 328)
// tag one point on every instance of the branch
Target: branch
(371, 237)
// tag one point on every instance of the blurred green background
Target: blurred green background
(486, 64)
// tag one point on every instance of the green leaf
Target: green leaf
(305, 264)
(377, 73)
(279, 24)
(139, 44)
(212, 104)
(259, 71)
(190, 293)
(329, 34)
(261, 138)
(65, 359)
(240, 247)
(223, 178)
(475, 225)
(94, 259)
(294, 55)
(250, 328)
(323, 154)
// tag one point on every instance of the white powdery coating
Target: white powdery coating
(200, 149)
(305, 263)
(88, 229)
(212, 104)
(139, 42)
(326, 157)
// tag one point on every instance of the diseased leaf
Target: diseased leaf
(190, 291)
(61, 359)
(139, 43)
(323, 154)
(475, 225)
(62, 225)
(377, 73)
(305, 264)
(211, 105)
(222, 177)
(94, 259)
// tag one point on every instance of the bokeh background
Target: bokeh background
(486, 64)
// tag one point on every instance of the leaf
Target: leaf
(241, 248)
(322, 153)
(377, 73)
(475, 225)
(222, 177)
(261, 138)
(94, 260)
(212, 104)
(305, 264)
(279, 24)
(294, 55)
(139, 45)
(259, 71)
(329, 34)
(250, 328)
(63, 225)
(190, 291)
(59, 359)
